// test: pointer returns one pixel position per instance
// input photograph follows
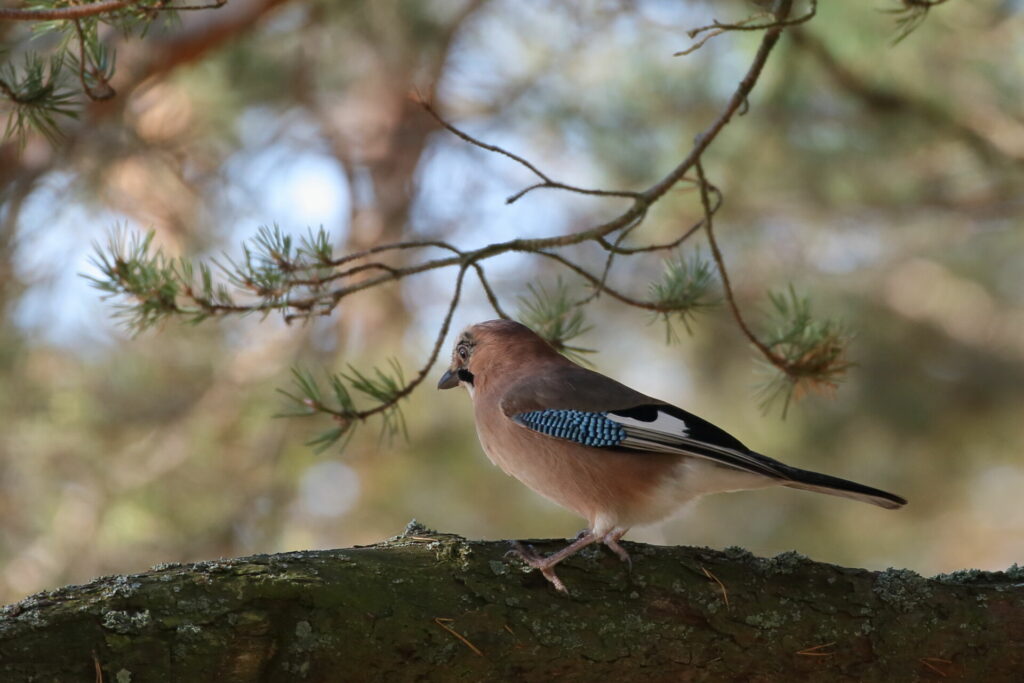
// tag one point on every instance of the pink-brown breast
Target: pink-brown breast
(617, 488)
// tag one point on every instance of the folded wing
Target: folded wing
(590, 409)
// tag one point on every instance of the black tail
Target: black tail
(823, 483)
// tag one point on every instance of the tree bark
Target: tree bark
(430, 606)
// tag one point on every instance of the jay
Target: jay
(610, 454)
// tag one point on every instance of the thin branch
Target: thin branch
(394, 246)
(598, 283)
(771, 37)
(93, 9)
(442, 334)
(611, 248)
(547, 182)
(666, 246)
(107, 92)
(491, 296)
(717, 28)
(74, 12)
(771, 356)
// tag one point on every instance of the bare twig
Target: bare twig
(491, 296)
(685, 235)
(443, 623)
(106, 91)
(930, 663)
(546, 181)
(743, 90)
(725, 593)
(771, 356)
(816, 650)
(716, 28)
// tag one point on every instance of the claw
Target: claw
(546, 564)
(611, 540)
(621, 552)
(533, 559)
(526, 553)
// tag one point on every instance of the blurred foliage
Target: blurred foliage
(882, 181)
(557, 316)
(813, 350)
(78, 63)
(684, 288)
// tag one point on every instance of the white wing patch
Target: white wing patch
(665, 424)
(670, 434)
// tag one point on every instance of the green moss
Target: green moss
(414, 528)
(734, 552)
(787, 562)
(453, 550)
(766, 620)
(901, 588)
(963, 576)
(124, 621)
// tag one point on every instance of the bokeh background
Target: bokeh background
(883, 180)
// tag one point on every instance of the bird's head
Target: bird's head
(492, 348)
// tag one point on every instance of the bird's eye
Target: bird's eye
(463, 352)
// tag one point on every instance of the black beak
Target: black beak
(449, 380)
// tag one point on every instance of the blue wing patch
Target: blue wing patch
(589, 429)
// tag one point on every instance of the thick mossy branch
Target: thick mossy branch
(430, 606)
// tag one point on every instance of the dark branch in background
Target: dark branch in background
(888, 101)
(303, 278)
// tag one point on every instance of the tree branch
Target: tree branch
(277, 287)
(887, 101)
(93, 9)
(716, 28)
(546, 181)
(437, 607)
(66, 13)
(746, 86)
(769, 355)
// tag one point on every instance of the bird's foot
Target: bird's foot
(539, 562)
(611, 539)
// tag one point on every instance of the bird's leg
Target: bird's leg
(611, 539)
(546, 565)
